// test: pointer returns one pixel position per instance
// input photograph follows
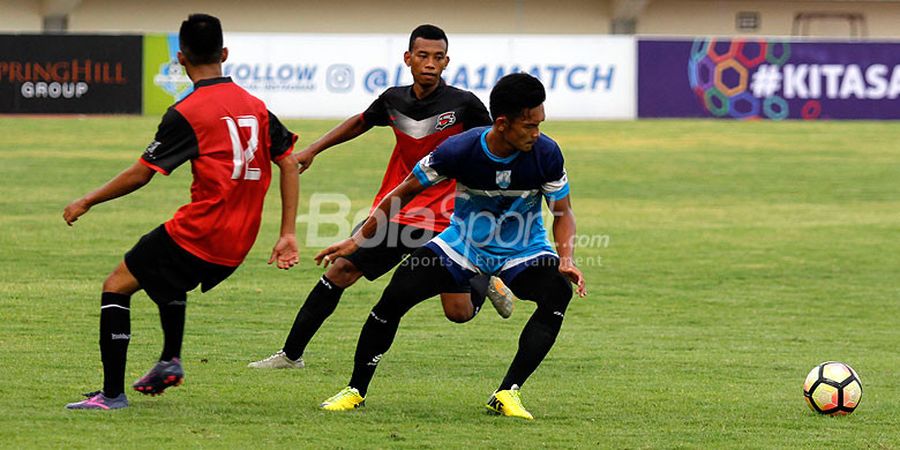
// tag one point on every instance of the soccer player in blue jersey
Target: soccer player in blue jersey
(501, 172)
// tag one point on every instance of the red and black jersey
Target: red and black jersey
(419, 126)
(230, 138)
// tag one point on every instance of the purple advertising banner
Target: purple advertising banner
(768, 79)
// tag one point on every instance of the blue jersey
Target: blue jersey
(496, 223)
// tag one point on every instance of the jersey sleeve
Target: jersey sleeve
(377, 115)
(281, 140)
(476, 114)
(436, 166)
(175, 142)
(556, 182)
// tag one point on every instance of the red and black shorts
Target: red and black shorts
(166, 271)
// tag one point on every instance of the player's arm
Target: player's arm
(347, 130)
(564, 236)
(130, 180)
(388, 207)
(285, 254)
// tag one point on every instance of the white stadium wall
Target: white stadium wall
(776, 18)
(348, 16)
(20, 16)
(654, 17)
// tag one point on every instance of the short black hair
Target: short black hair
(430, 32)
(200, 39)
(515, 93)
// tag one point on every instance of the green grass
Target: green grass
(740, 254)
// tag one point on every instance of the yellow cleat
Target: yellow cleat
(508, 403)
(346, 400)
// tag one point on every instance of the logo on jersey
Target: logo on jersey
(445, 120)
(151, 148)
(504, 177)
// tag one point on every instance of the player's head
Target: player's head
(427, 55)
(200, 40)
(517, 107)
(429, 33)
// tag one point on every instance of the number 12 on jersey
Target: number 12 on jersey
(242, 156)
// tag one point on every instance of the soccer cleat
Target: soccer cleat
(163, 375)
(508, 403)
(501, 297)
(96, 400)
(278, 361)
(346, 400)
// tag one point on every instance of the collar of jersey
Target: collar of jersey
(212, 81)
(492, 156)
(439, 88)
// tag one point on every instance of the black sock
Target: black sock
(479, 291)
(375, 339)
(320, 303)
(535, 342)
(115, 333)
(171, 317)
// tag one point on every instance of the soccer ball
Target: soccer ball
(832, 388)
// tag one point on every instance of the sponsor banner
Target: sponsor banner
(768, 79)
(84, 74)
(165, 81)
(340, 75)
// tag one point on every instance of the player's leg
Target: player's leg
(542, 283)
(167, 372)
(421, 276)
(115, 327)
(115, 334)
(319, 305)
(171, 319)
(167, 272)
(370, 262)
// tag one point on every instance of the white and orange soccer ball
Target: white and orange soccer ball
(832, 388)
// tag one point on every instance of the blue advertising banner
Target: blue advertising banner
(768, 79)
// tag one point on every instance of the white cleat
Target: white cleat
(277, 361)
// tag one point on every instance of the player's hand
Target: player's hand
(567, 269)
(75, 210)
(284, 254)
(335, 251)
(304, 160)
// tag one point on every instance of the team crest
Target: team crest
(445, 120)
(504, 177)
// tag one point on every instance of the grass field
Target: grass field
(740, 255)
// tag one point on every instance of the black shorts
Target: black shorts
(166, 271)
(399, 241)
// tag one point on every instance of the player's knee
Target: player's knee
(343, 273)
(459, 313)
(458, 308)
(121, 281)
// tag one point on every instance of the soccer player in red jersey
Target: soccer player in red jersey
(422, 116)
(231, 140)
